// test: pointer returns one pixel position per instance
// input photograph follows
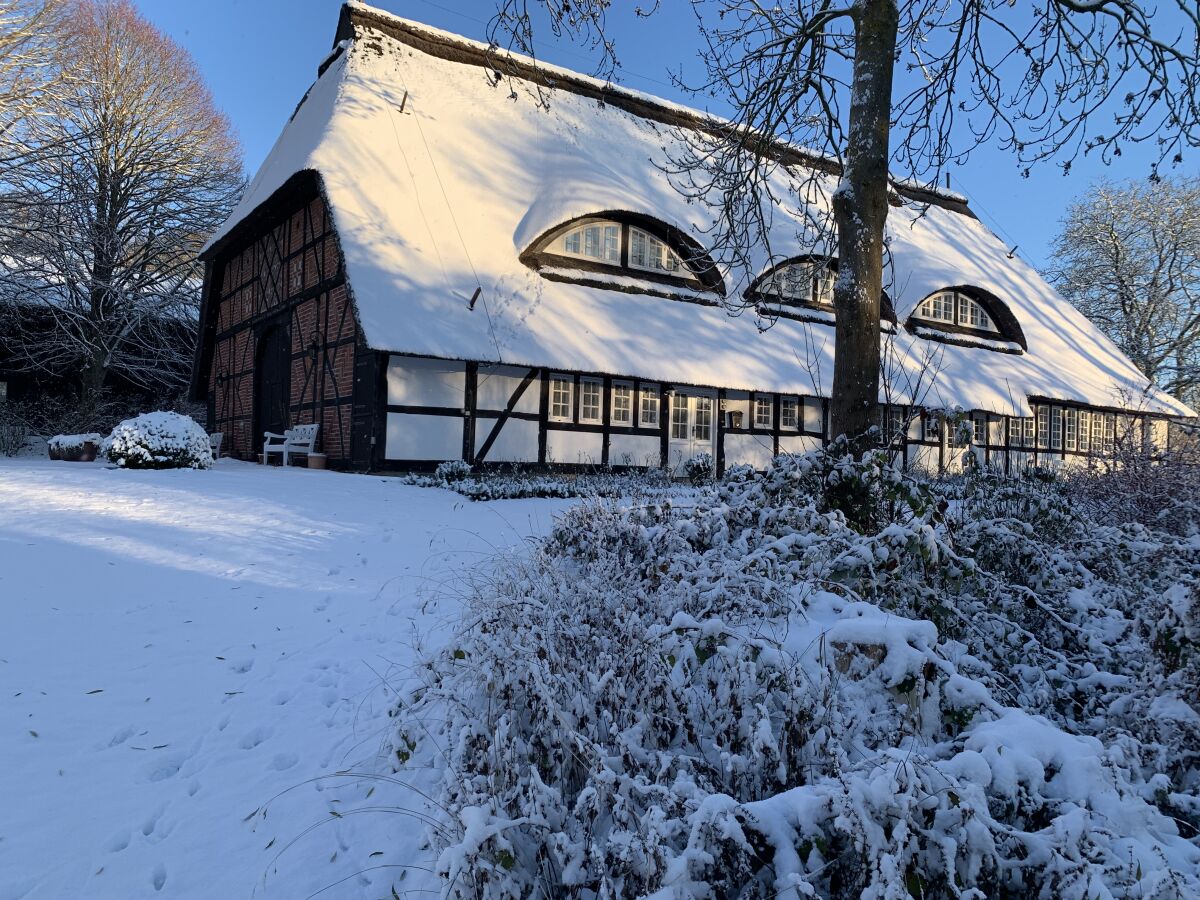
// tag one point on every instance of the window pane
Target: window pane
(649, 406)
(637, 248)
(571, 242)
(679, 416)
(933, 428)
(1072, 428)
(612, 243)
(1056, 428)
(787, 412)
(703, 428)
(560, 398)
(1085, 428)
(622, 404)
(589, 401)
(762, 412)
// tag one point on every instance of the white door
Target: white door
(692, 428)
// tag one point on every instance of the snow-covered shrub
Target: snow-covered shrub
(1160, 490)
(699, 468)
(72, 447)
(452, 470)
(756, 697)
(159, 440)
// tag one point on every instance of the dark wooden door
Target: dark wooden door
(272, 381)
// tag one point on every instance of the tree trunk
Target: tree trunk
(860, 207)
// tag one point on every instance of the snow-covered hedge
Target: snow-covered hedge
(457, 476)
(159, 440)
(974, 691)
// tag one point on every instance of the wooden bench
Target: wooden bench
(299, 440)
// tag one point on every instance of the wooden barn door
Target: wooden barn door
(272, 381)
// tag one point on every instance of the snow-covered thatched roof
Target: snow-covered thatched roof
(438, 179)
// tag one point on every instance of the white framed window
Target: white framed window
(590, 393)
(1028, 429)
(938, 308)
(763, 412)
(679, 416)
(933, 428)
(1056, 429)
(809, 282)
(622, 404)
(599, 241)
(1098, 432)
(956, 308)
(1071, 418)
(789, 413)
(3, 391)
(979, 431)
(1085, 431)
(702, 429)
(649, 406)
(561, 389)
(1043, 427)
(650, 253)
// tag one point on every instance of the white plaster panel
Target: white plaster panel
(516, 442)
(423, 437)
(748, 449)
(573, 447)
(426, 382)
(496, 384)
(641, 450)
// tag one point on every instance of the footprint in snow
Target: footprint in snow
(159, 877)
(242, 666)
(281, 698)
(254, 737)
(166, 766)
(284, 761)
(121, 736)
(118, 841)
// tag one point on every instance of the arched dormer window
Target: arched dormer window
(802, 289)
(968, 316)
(629, 252)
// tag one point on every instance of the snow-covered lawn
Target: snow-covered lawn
(177, 648)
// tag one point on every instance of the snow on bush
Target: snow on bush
(452, 470)
(517, 485)
(699, 468)
(159, 440)
(971, 691)
(65, 443)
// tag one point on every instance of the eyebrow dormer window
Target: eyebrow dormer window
(808, 283)
(968, 316)
(629, 252)
(802, 289)
(956, 308)
(599, 241)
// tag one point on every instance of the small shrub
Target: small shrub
(159, 440)
(452, 470)
(72, 447)
(699, 469)
(12, 438)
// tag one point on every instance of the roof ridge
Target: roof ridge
(458, 48)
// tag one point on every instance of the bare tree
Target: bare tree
(863, 91)
(100, 228)
(27, 28)
(1128, 256)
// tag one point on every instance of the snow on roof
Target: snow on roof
(435, 200)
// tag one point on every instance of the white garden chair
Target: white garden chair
(214, 443)
(300, 440)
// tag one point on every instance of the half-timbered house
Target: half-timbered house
(456, 254)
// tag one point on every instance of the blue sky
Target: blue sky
(259, 57)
